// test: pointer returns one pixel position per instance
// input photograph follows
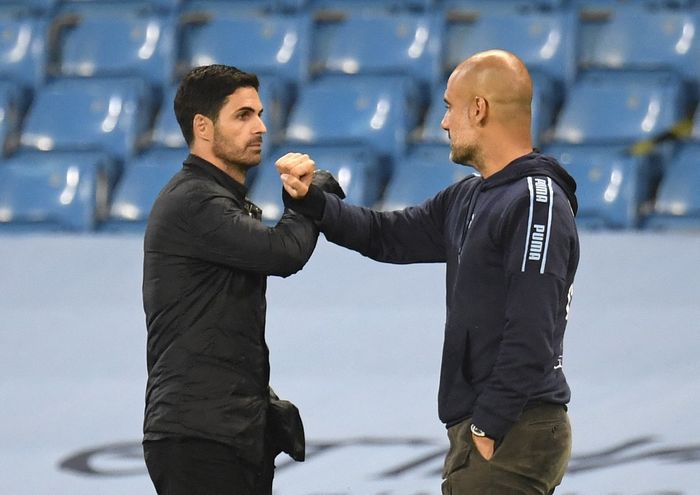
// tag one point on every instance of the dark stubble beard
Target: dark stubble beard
(234, 162)
(468, 155)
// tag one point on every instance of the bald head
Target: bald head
(488, 116)
(499, 77)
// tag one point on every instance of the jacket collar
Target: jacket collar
(223, 179)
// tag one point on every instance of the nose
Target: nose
(261, 128)
(443, 122)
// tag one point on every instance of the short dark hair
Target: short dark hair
(204, 90)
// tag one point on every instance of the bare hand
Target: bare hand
(296, 171)
(485, 446)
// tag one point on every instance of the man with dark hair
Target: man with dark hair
(509, 240)
(212, 425)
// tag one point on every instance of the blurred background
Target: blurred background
(88, 137)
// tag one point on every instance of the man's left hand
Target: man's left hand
(296, 171)
(485, 446)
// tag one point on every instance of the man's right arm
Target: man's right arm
(412, 235)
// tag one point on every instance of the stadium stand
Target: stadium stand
(23, 47)
(617, 79)
(677, 204)
(117, 6)
(376, 112)
(107, 114)
(503, 6)
(641, 38)
(24, 7)
(410, 46)
(273, 46)
(13, 101)
(614, 188)
(142, 180)
(545, 40)
(107, 43)
(621, 107)
(54, 191)
(166, 131)
(359, 6)
(423, 173)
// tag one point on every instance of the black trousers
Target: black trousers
(190, 466)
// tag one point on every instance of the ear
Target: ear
(479, 110)
(202, 127)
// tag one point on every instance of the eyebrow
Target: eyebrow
(248, 109)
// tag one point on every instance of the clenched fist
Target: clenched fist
(296, 171)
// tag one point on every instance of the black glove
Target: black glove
(313, 204)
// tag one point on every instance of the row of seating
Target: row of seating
(104, 116)
(367, 122)
(297, 48)
(268, 6)
(69, 191)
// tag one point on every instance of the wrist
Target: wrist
(478, 432)
(311, 205)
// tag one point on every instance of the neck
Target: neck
(497, 157)
(236, 172)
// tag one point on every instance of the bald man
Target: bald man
(509, 240)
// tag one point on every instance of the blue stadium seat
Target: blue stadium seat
(271, 45)
(23, 54)
(431, 131)
(600, 7)
(241, 7)
(641, 38)
(545, 41)
(108, 44)
(141, 181)
(118, 6)
(357, 170)
(106, 114)
(479, 7)
(677, 203)
(54, 190)
(426, 170)
(376, 112)
(360, 6)
(614, 189)
(166, 131)
(13, 103)
(621, 107)
(27, 7)
(410, 45)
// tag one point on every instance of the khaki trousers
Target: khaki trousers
(530, 459)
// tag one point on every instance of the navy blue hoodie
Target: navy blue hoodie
(511, 248)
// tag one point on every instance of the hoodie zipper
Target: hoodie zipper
(469, 218)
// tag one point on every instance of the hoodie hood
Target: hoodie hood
(535, 163)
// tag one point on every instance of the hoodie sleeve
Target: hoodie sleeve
(538, 238)
(412, 235)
